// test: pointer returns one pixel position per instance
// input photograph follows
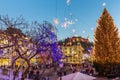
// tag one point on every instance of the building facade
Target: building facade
(73, 49)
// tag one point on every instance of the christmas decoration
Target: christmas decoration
(56, 21)
(106, 43)
(73, 30)
(48, 44)
(68, 2)
(104, 4)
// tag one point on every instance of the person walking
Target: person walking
(37, 75)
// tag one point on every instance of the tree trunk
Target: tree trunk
(16, 71)
(24, 75)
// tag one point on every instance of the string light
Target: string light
(75, 35)
(83, 31)
(73, 30)
(56, 21)
(104, 4)
(68, 2)
(64, 25)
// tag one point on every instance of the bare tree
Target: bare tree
(38, 39)
(13, 41)
(45, 40)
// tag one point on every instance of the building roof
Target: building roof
(76, 41)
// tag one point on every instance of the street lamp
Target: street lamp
(61, 65)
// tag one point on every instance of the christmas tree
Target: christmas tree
(106, 43)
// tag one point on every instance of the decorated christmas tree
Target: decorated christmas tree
(106, 44)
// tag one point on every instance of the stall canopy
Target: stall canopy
(77, 76)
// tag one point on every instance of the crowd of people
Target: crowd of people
(87, 69)
(34, 73)
(35, 70)
(72, 68)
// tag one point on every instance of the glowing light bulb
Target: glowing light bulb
(75, 35)
(73, 31)
(70, 22)
(65, 19)
(52, 30)
(68, 2)
(56, 21)
(83, 31)
(64, 25)
(104, 4)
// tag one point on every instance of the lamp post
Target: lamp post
(61, 65)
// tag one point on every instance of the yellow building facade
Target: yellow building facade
(73, 54)
(7, 54)
(73, 50)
